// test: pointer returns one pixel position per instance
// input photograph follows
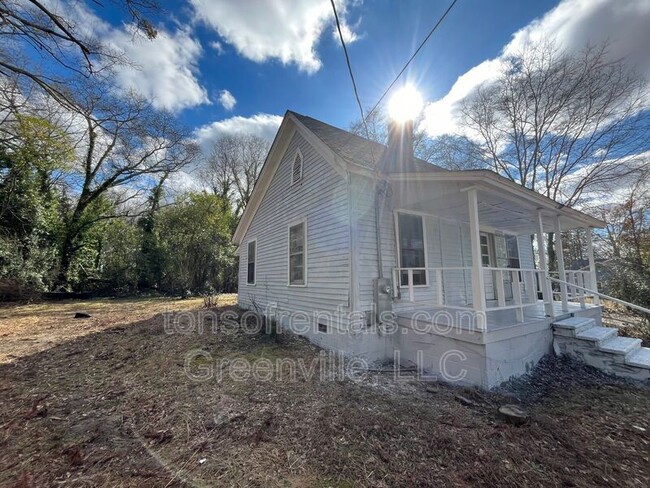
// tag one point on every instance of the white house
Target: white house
(369, 251)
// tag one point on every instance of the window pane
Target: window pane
(411, 239)
(251, 252)
(296, 239)
(512, 252)
(250, 272)
(419, 277)
(485, 250)
(297, 254)
(296, 269)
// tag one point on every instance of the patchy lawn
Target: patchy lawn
(106, 401)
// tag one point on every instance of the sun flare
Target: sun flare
(405, 104)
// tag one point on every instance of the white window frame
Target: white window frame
(297, 154)
(516, 237)
(492, 235)
(294, 223)
(491, 251)
(399, 248)
(255, 262)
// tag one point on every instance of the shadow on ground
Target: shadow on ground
(116, 408)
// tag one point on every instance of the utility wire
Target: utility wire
(424, 41)
(347, 60)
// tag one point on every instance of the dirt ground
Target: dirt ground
(108, 401)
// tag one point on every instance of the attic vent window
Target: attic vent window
(296, 172)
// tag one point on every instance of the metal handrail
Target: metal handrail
(602, 295)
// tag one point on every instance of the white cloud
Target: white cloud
(262, 125)
(227, 100)
(164, 70)
(218, 47)
(440, 116)
(572, 24)
(274, 29)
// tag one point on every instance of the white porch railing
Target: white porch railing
(578, 285)
(595, 293)
(512, 288)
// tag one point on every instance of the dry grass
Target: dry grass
(112, 406)
(27, 329)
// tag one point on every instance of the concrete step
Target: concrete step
(597, 334)
(620, 345)
(572, 326)
(640, 358)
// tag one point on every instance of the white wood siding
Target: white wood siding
(320, 197)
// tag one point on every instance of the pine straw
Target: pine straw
(119, 411)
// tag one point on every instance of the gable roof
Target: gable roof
(357, 150)
(340, 148)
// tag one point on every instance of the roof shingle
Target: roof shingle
(359, 150)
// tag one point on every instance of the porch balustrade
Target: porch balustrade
(578, 281)
(511, 288)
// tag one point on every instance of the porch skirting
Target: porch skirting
(484, 359)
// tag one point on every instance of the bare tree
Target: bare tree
(627, 233)
(56, 35)
(564, 125)
(558, 123)
(233, 166)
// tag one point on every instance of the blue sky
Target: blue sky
(389, 31)
(274, 55)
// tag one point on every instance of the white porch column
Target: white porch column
(547, 292)
(559, 252)
(592, 265)
(478, 285)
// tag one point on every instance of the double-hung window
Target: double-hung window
(251, 258)
(411, 248)
(297, 254)
(512, 252)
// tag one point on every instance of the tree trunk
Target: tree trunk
(67, 254)
(550, 251)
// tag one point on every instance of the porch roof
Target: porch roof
(503, 204)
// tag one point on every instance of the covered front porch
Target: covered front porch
(497, 273)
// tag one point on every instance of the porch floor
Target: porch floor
(502, 319)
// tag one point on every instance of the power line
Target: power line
(424, 41)
(347, 60)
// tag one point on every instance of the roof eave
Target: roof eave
(495, 180)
